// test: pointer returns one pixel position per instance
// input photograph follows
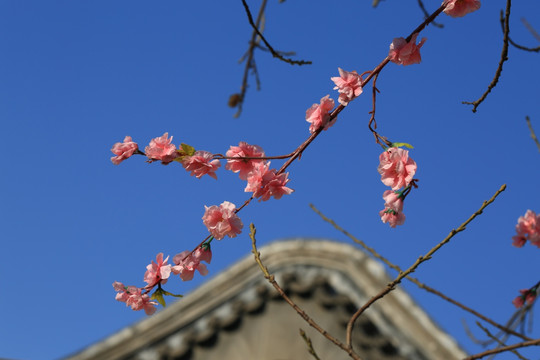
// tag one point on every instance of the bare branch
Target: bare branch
(504, 349)
(504, 57)
(311, 350)
(300, 312)
(533, 135)
(274, 53)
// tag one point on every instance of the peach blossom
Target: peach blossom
(265, 183)
(406, 53)
(459, 8)
(397, 169)
(527, 296)
(157, 272)
(392, 217)
(319, 114)
(349, 85)
(187, 263)
(527, 228)
(201, 163)
(243, 166)
(222, 221)
(133, 297)
(123, 150)
(160, 148)
(393, 200)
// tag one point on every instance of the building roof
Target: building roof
(238, 315)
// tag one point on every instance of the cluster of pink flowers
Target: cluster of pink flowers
(222, 220)
(348, 84)
(459, 8)
(397, 170)
(187, 262)
(158, 272)
(262, 181)
(527, 296)
(406, 53)
(318, 115)
(133, 296)
(527, 228)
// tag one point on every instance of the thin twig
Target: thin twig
(494, 338)
(504, 349)
(521, 47)
(533, 135)
(530, 28)
(504, 57)
(426, 14)
(391, 286)
(309, 344)
(300, 312)
(237, 100)
(274, 53)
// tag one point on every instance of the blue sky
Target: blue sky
(78, 76)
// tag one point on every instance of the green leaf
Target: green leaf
(158, 296)
(401, 144)
(187, 149)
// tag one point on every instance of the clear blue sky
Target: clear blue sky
(78, 76)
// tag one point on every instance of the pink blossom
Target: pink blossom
(134, 297)
(527, 296)
(160, 148)
(319, 114)
(349, 85)
(157, 272)
(243, 166)
(265, 183)
(187, 263)
(201, 163)
(222, 221)
(393, 200)
(393, 209)
(123, 150)
(459, 8)
(396, 168)
(527, 228)
(406, 53)
(392, 217)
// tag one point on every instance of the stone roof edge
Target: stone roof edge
(397, 306)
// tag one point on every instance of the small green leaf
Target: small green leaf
(158, 296)
(397, 144)
(187, 149)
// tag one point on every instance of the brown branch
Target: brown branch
(274, 53)
(503, 349)
(426, 14)
(415, 281)
(533, 135)
(521, 47)
(391, 286)
(302, 313)
(237, 100)
(309, 344)
(494, 338)
(504, 57)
